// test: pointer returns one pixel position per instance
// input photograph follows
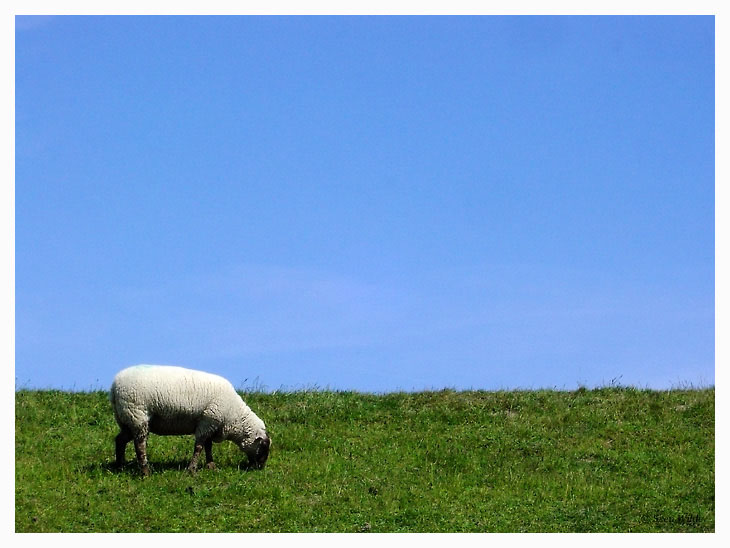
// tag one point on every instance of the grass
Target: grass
(610, 459)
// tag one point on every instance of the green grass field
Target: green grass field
(610, 459)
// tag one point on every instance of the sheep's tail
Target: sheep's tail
(113, 399)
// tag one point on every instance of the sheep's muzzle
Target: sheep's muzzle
(258, 457)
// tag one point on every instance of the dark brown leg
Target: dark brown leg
(209, 464)
(196, 454)
(140, 447)
(121, 441)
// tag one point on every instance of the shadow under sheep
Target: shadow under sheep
(132, 468)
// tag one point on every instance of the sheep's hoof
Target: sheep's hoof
(210, 466)
(192, 470)
(146, 471)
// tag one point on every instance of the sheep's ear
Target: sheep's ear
(263, 445)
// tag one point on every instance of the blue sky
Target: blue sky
(369, 203)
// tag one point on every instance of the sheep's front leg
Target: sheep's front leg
(209, 464)
(196, 454)
(140, 447)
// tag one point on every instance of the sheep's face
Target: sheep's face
(257, 450)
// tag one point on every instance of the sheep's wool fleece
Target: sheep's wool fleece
(174, 400)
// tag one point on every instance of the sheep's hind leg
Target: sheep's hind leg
(140, 447)
(196, 455)
(121, 441)
(209, 464)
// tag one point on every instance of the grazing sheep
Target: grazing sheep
(169, 400)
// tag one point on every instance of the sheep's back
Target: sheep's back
(170, 399)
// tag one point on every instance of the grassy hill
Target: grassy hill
(611, 459)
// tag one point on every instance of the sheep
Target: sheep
(170, 400)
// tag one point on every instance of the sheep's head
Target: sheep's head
(257, 449)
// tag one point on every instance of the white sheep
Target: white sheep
(170, 400)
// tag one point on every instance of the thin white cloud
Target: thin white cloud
(262, 309)
(254, 309)
(475, 327)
